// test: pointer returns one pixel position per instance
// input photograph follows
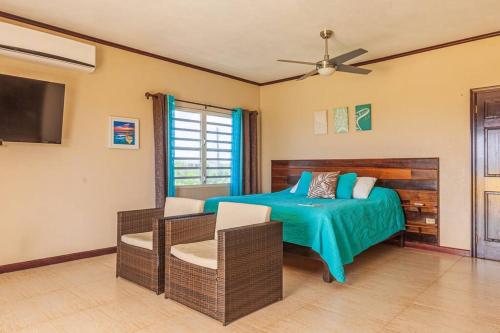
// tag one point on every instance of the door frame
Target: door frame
(473, 110)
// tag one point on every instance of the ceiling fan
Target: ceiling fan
(329, 65)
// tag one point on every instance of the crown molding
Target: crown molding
(118, 46)
(208, 70)
(404, 54)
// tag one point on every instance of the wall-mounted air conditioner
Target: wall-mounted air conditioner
(42, 47)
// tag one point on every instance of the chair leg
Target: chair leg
(166, 281)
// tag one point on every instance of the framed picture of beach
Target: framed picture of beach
(123, 133)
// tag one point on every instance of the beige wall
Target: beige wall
(420, 109)
(58, 199)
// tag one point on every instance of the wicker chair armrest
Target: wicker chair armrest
(134, 221)
(250, 245)
(189, 228)
(249, 268)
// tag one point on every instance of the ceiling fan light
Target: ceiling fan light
(326, 71)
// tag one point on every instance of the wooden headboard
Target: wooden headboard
(415, 179)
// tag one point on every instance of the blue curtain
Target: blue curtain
(237, 154)
(170, 102)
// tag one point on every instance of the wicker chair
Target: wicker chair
(225, 265)
(141, 241)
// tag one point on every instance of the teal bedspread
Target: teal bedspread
(337, 229)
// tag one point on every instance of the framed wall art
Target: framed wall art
(320, 122)
(364, 117)
(123, 133)
(341, 118)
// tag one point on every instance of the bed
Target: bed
(335, 231)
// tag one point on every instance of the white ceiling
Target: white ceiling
(245, 37)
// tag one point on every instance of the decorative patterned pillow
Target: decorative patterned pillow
(323, 185)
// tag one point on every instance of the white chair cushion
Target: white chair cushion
(201, 253)
(232, 214)
(182, 206)
(142, 239)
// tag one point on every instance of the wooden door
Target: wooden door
(486, 172)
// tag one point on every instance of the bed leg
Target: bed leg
(402, 238)
(327, 277)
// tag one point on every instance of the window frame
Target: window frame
(203, 145)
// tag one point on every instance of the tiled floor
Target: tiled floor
(388, 289)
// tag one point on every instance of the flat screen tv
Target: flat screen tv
(30, 110)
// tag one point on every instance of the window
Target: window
(202, 147)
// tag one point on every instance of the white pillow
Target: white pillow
(363, 187)
(294, 188)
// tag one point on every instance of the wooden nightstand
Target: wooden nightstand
(418, 215)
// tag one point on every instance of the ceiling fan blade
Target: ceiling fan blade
(305, 76)
(347, 56)
(352, 69)
(297, 62)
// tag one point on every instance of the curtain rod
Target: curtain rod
(148, 94)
